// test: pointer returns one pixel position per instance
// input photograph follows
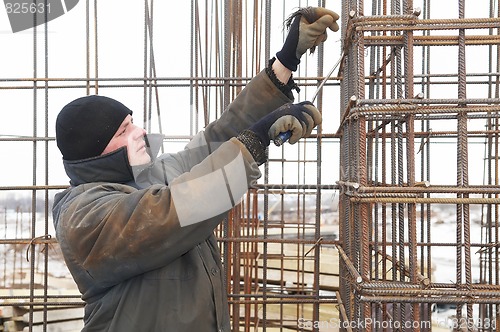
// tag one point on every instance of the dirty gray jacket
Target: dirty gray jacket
(141, 248)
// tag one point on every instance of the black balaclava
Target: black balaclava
(85, 126)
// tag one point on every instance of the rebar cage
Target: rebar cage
(384, 219)
(418, 153)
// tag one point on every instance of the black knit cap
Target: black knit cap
(85, 126)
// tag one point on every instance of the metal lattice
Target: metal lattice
(386, 218)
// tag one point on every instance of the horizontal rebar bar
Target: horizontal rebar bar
(426, 200)
(417, 299)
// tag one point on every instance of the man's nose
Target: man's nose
(139, 132)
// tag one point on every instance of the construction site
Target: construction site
(385, 218)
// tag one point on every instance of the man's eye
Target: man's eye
(122, 132)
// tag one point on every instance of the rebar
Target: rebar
(367, 243)
(398, 277)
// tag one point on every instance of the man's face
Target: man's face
(132, 137)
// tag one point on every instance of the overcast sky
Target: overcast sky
(121, 54)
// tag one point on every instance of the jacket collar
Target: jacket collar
(111, 167)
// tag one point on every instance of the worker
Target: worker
(136, 228)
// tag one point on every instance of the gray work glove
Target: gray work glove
(307, 29)
(299, 118)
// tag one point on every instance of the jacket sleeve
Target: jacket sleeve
(259, 97)
(115, 232)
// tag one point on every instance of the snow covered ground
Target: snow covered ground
(18, 225)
